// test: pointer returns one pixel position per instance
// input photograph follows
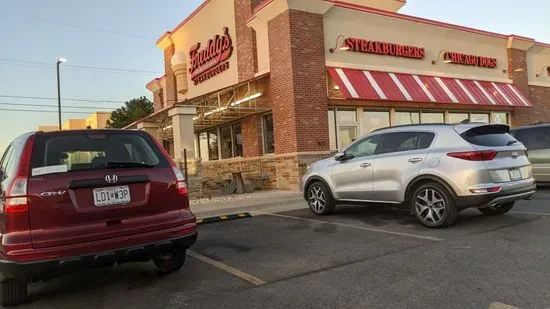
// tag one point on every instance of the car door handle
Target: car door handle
(365, 164)
(415, 160)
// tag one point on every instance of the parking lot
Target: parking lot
(360, 257)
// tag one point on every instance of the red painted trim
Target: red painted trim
(185, 20)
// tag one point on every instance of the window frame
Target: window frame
(264, 143)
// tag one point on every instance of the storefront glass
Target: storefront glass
(406, 118)
(500, 118)
(237, 140)
(269, 140)
(203, 146)
(226, 143)
(479, 118)
(373, 120)
(346, 135)
(458, 117)
(432, 117)
(213, 144)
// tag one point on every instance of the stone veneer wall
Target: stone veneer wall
(283, 172)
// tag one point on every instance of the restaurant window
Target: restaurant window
(432, 117)
(203, 146)
(458, 117)
(269, 138)
(402, 118)
(213, 144)
(237, 140)
(332, 129)
(500, 118)
(346, 124)
(475, 117)
(373, 120)
(226, 142)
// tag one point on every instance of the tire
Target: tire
(14, 292)
(497, 210)
(320, 199)
(170, 261)
(433, 205)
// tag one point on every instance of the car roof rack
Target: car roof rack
(413, 125)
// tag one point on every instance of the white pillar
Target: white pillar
(184, 132)
(149, 127)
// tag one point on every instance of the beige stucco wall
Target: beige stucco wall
(74, 124)
(537, 58)
(98, 120)
(203, 26)
(48, 128)
(353, 23)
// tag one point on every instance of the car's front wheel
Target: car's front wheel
(433, 205)
(319, 199)
(497, 210)
(171, 260)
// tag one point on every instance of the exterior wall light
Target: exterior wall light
(343, 47)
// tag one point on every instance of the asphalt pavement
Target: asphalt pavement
(359, 257)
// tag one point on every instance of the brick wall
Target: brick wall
(252, 136)
(247, 60)
(298, 82)
(539, 96)
(171, 89)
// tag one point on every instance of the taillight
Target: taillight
(181, 184)
(16, 200)
(474, 155)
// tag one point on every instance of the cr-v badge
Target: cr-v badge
(48, 194)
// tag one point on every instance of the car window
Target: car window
(366, 147)
(406, 141)
(7, 161)
(79, 151)
(489, 135)
(535, 138)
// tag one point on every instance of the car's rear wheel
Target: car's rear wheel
(170, 260)
(433, 205)
(14, 292)
(319, 199)
(497, 210)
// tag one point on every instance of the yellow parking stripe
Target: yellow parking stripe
(223, 217)
(227, 268)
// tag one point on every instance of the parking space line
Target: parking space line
(227, 268)
(530, 213)
(371, 229)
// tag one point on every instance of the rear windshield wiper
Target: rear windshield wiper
(511, 142)
(126, 164)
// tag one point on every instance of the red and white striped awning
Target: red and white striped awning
(375, 85)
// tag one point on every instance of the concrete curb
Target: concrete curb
(224, 218)
(264, 207)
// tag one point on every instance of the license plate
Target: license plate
(112, 196)
(515, 174)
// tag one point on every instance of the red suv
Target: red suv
(90, 198)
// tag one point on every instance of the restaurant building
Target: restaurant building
(267, 87)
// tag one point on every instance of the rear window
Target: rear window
(534, 138)
(491, 136)
(67, 152)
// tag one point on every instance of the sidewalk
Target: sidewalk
(269, 202)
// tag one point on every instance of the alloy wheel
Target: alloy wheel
(317, 199)
(430, 206)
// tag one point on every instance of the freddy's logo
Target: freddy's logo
(211, 60)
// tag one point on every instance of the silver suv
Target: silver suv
(435, 170)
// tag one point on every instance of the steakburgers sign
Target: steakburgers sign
(212, 59)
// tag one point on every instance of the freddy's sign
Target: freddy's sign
(384, 48)
(465, 59)
(212, 59)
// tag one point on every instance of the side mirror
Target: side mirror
(343, 156)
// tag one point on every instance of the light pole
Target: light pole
(59, 61)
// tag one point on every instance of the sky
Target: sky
(120, 36)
